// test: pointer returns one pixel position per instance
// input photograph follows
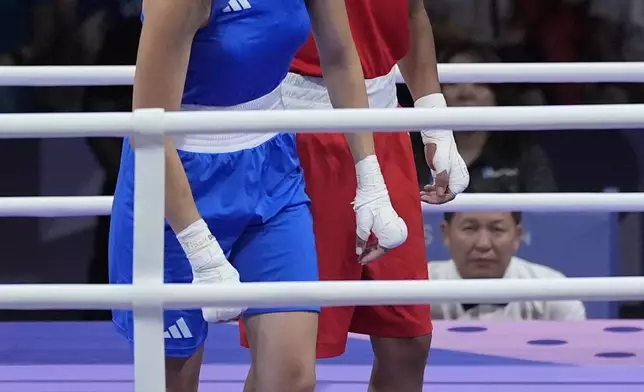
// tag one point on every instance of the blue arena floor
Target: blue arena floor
(602, 356)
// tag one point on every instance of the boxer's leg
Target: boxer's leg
(185, 330)
(400, 335)
(279, 246)
(281, 339)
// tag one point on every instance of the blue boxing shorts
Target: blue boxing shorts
(253, 200)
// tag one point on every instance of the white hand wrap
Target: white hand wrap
(446, 157)
(374, 212)
(209, 266)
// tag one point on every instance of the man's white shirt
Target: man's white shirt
(531, 310)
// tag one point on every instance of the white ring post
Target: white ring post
(149, 213)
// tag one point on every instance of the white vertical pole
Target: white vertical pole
(149, 213)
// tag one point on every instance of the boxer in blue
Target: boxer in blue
(236, 210)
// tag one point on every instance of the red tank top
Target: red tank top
(381, 33)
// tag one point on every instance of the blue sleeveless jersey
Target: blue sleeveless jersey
(250, 192)
(245, 50)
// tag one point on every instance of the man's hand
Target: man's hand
(448, 168)
(375, 214)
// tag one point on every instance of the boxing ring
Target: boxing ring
(466, 356)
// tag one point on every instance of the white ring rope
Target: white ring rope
(70, 206)
(615, 72)
(334, 293)
(581, 117)
(152, 125)
(148, 298)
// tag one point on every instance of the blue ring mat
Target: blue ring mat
(594, 355)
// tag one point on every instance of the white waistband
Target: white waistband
(229, 142)
(306, 92)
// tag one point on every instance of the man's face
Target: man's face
(482, 244)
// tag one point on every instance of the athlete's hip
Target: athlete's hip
(268, 175)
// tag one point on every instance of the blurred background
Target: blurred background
(105, 32)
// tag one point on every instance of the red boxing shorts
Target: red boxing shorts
(329, 171)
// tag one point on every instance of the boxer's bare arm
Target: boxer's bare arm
(418, 67)
(341, 66)
(162, 62)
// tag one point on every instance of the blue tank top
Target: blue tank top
(245, 50)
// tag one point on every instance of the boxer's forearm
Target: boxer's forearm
(162, 62)
(418, 67)
(352, 95)
(180, 207)
(341, 66)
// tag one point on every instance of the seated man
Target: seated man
(483, 246)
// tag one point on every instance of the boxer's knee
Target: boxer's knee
(283, 350)
(402, 352)
(182, 374)
(399, 363)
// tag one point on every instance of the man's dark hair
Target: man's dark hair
(516, 216)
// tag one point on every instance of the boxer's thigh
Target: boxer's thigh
(408, 261)
(329, 171)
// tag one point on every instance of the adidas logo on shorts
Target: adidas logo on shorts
(178, 330)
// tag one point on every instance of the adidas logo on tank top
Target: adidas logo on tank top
(237, 5)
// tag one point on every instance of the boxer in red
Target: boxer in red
(386, 33)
